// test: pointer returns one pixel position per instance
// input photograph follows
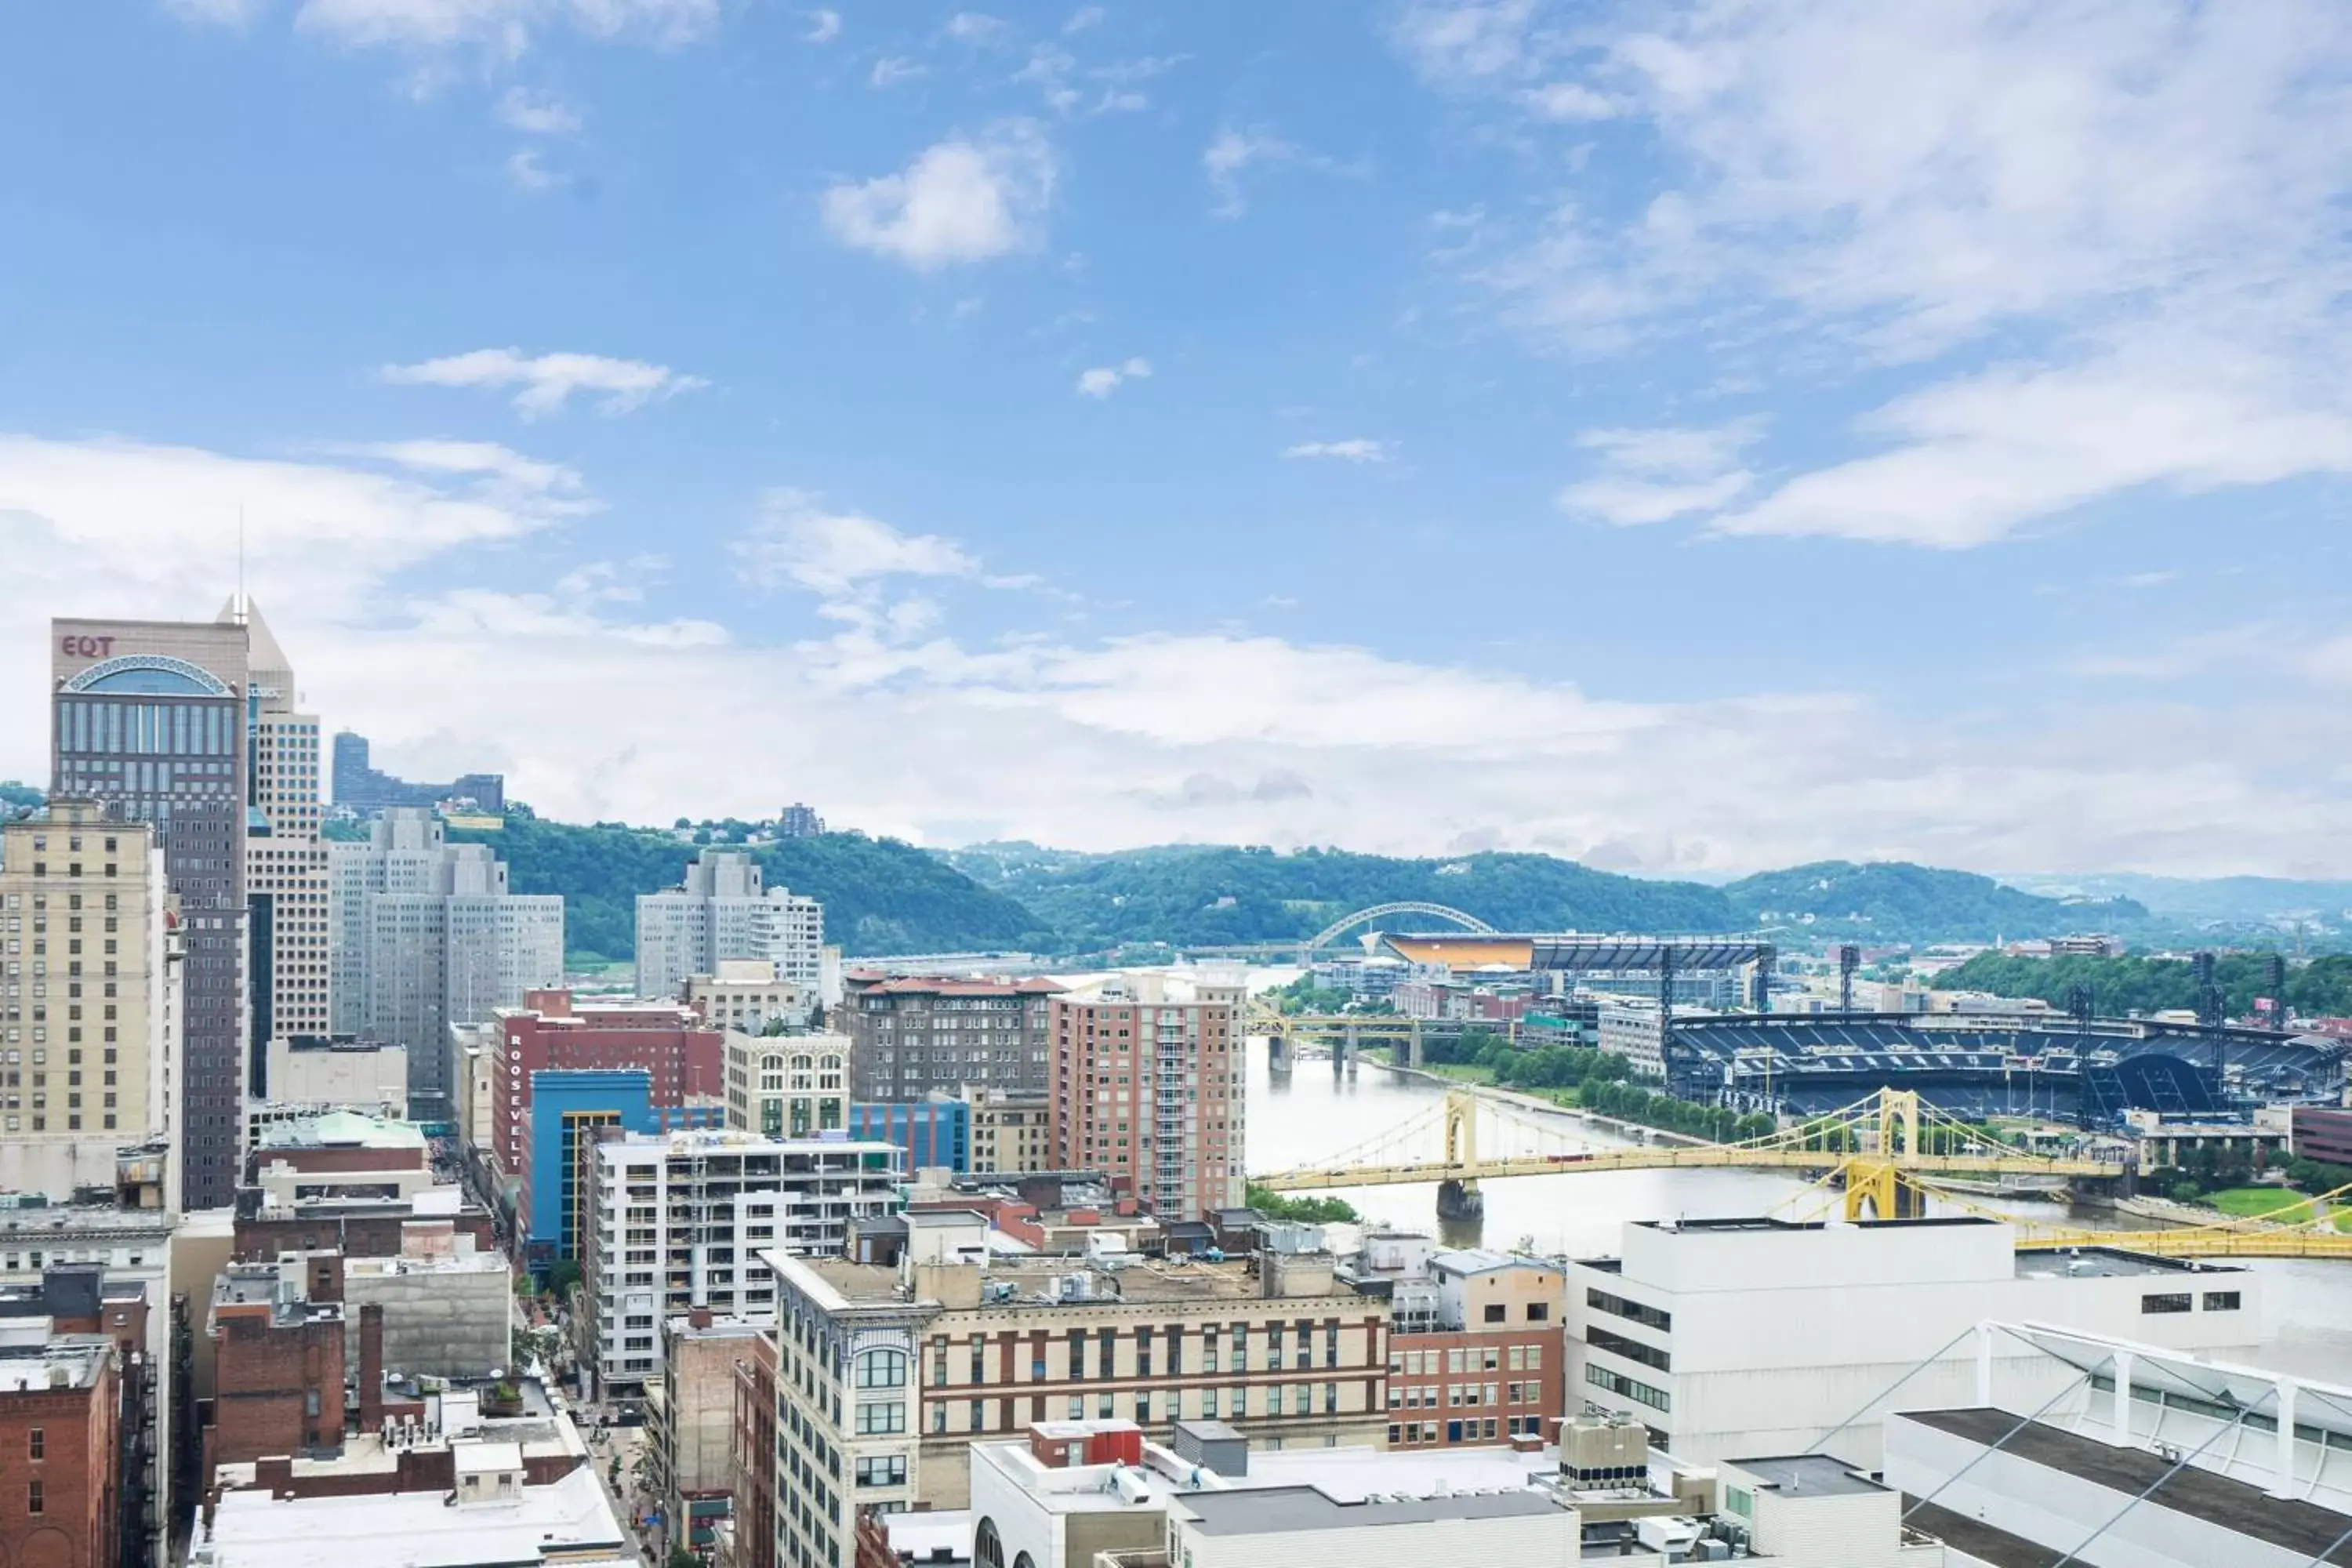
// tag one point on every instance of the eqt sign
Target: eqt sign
(81, 646)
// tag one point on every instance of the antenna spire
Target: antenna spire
(242, 612)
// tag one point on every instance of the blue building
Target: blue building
(932, 1131)
(565, 1104)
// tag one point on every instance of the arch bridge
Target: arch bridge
(1884, 1151)
(1332, 932)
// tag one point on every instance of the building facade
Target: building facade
(678, 1222)
(551, 1032)
(747, 994)
(690, 1423)
(1012, 1133)
(426, 937)
(936, 1132)
(722, 911)
(1150, 1089)
(787, 1086)
(912, 1035)
(568, 1107)
(61, 1447)
(285, 862)
(150, 717)
(1477, 1354)
(362, 787)
(90, 1017)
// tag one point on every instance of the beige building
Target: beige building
(1150, 1087)
(690, 1416)
(1012, 1133)
(787, 1086)
(318, 1073)
(285, 860)
(747, 994)
(950, 1346)
(89, 948)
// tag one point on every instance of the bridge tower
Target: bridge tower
(1873, 1179)
(1459, 1198)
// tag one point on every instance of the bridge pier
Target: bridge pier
(1412, 1047)
(1460, 1200)
(1345, 1052)
(1278, 1054)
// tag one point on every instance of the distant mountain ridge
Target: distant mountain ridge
(1205, 895)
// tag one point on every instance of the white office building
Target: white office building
(425, 936)
(1737, 1337)
(678, 1222)
(720, 911)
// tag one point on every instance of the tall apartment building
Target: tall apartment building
(787, 1086)
(678, 1222)
(904, 1366)
(425, 937)
(285, 862)
(721, 911)
(911, 1035)
(1150, 1089)
(150, 717)
(89, 1015)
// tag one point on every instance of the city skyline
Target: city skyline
(1420, 428)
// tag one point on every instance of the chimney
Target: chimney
(372, 1367)
(698, 1317)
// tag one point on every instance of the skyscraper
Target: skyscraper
(286, 863)
(424, 935)
(1148, 1089)
(150, 717)
(722, 911)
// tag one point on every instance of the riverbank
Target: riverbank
(1487, 1090)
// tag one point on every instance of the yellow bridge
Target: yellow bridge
(1889, 1152)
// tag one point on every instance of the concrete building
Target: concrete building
(680, 1221)
(361, 787)
(798, 820)
(312, 1076)
(285, 862)
(911, 1035)
(1759, 1336)
(787, 1086)
(1302, 1527)
(426, 937)
(89, 946)
(1150, 1088)
(552, 1032)
(149, 718)
(2322, 1134)
(1628, 1026)
(749, 995)
(1012, 1133)
(690, 1422)
(447, 1304)
(340, 1155)
(1477, 1351)
(61, 1436)
(925, 1356)
(431, 1479)
(933, 1132)
(720, 911)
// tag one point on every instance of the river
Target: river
(1311, 1114)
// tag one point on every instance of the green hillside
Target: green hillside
(2322, 987)
(1217, 894)
(1895, 901)
(880, 896)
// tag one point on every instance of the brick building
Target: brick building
(279, 1360)
(1148, 1089)
(549, 1032)
(911, 1035)
(752, 1528)
(2323, 1134)
(1479, 1355)
(60, 1446)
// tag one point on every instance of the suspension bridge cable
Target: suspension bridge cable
(1916, 1369)
(2022, 1423)
(2177, 1466)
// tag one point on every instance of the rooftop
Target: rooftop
(2107, 1262)
(570, 1520)
(1282, 1510)
(59, 1361)
(344, 1128)
(1814, 1474)
(1034, 1280)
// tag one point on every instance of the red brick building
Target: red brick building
(755, 1456)
(279, 1361)
(549, 1032)
(61, 1435)
(1147, 1090)
(1477, 1347)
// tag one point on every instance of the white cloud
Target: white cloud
(823, 28)
(839, 554)
(960, 200)
(1356, 450)
(477, 457)
(1651, 476)
(527, 170)
(1234, 152)
(2135, 203)
(503, 28)
(547, 382)
(1104, 380)
(218, 13)
(975, 28)
(1083, 18)
(892, 69)
(537, 113)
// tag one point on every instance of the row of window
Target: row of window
(2183, 1301)
(1619, 1383)
(1467, 1358)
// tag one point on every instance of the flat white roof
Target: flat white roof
(414, 1529)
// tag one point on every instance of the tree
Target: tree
(562, 1277)
(1310, 1211)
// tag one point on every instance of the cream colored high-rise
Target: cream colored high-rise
(88, 1010)
(285, 862)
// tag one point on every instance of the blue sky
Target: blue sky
(1686, 438)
